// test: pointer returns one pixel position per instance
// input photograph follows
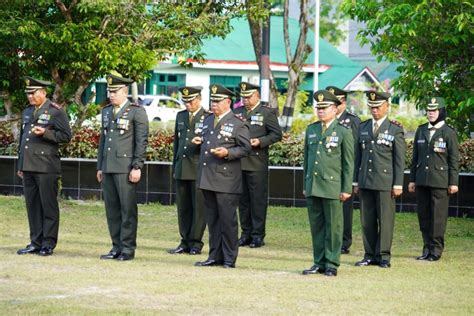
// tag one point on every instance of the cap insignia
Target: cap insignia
(27, 81)
(109, 80)
(243, 86)
(214, 89)
(433, 100)
(372, 96)
(331, 90)
(185, 91)
(320, 97)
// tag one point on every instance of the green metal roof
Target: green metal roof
(237, 46)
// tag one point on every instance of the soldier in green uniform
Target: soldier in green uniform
(44, 125)
(189, 199)
(224, 141)
(328, 168)
(353, 121)
(121, 156)
(378, 179)
(434, 176)
(264, 131)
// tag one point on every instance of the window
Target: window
(167, 84)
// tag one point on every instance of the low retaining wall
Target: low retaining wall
(157, 185)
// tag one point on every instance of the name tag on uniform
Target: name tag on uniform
(311, 135)
(364, 133)
(421, 141)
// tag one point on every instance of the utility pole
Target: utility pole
(316, 48)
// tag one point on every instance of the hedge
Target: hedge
(288, 152)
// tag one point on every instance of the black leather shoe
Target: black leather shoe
(126, 256)
(330, 272)
(207, 263)
(345, 250)
(195, 251)
(178, 250)
(111, 255)
(46, 251)
(244, 241)
(423, 256)
(365, 262)
(28, 249)
(385, 264)
(313, 270)
(433, 258)
(257, 243)
(229, 265)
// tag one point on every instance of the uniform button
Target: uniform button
(370, 160)
(185, 147)
(108, 148)
(187, 138)
(184, 156)
(32, 125)
(317, 152)
(208, 142)
(370, 150)
(257, 154)
(426, 168)
(320, 143)
(315, 173)
(111, 130)
(187, 130)
(205, 152)
(428, 156)
(315, 162)
(26, 147)
(332, 177)
(441, 168)
(29, 132)
(372, 142)
(42, 152)
(384, 170)
(125, 155)
(27, 139)
(204, 164)
(370, 170)
(212, 132)
(110, 139)
(225, 168)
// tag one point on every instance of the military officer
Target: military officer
(264, 131)
(225, 140)
(434, 176)
(378, 179)
(353, 121)
(121, 156)
(328, 168)
(189, 199)
(44, 126)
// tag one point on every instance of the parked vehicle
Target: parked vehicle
(160, 108)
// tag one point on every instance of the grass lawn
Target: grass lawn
(266, 281)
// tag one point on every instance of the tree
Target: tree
(433, 42)
(330, 17)
(76, 42)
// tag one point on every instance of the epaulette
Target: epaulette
(56, 106)
(365, 122)
(342, 124)
(394, 122)
(135, 104)
(240, 117)
(351, 114)
(315, 123)
(107, 105)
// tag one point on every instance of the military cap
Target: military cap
(377, 98)
(325, 98)
(247, 89)
(190, 93)
(436, 103)
(33, 84)
(219, 93)
(339, 93)
(116, 82)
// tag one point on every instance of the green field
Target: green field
(266, 281)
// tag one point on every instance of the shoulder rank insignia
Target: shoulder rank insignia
(56, 106)
(396, 123)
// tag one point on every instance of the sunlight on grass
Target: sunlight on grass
(266, 281)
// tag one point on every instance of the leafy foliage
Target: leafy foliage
(432, 41)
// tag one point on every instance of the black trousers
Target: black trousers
(221, 216)
(121, 211)
(253, 204)
(41, 196)
(432, 216)
(347, 210)
(191, 214)
(377, 219)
